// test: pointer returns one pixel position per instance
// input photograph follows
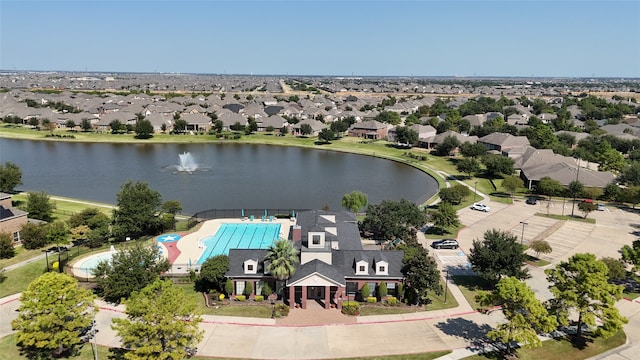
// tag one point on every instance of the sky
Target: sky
(564, 38)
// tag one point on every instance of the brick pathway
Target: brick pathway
(314, 314)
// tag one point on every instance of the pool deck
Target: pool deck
(191, 250)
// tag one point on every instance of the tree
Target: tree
(612, 192)
(136, 213)
(282, 257)
(392, 220)
(497, 165)
(70, 124)
(575, 188)
(117, 127)
(172, 207)
(91, 217)
(53, 316)
(550, 187)
(498, 255)
(630, 175)
(326, 135)
(420, 271)
(582, 284)
(526, 316)
(448, 145)
(80, 233)
(143, 129)
(631, 254)
(39, 206)
(162, 323)
(85, 125)
(540, 247)
(6, 246)
(617, 270)
(468, 166)
(179, 125)
(129, 270)
(445, 217)
(512, 183)
(354, 201)
(10, 177)
(33, 236)
(455, 194)
(587, 207)
(406, 135)
(305, 129)
(212, 272)
(388, 117)
(468, 149)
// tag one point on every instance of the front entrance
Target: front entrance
(315, 292)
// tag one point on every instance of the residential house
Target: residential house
(503, 142)
(333, 265)
(316, 127)
(11, 219)
(371, 129)
(197, 122)
(433, 141)
(423, 131)
(565, 173)
(276, 121)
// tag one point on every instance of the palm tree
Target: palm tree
(282, 257)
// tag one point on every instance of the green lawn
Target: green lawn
(421, 356)
(18, 280)
(246, 309)
(567, 217)
(9, 350)
(562, 349)
(470, 286)
(22, 254)
(437, 303)
(536, 262)
(65, 207)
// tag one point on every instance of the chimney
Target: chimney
(296, 233)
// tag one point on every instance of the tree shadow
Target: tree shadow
(467, 330)
(116, 354)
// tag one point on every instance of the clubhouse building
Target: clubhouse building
(333, 265)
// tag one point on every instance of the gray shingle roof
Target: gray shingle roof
(316, 266)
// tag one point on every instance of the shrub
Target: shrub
(365, 291)
(382, 289)
(372, 299)
(248, 289)
(228, 287)
(258, 298)
(221, 297)
(266, 290)
(241, 298)
(350, 308)
(400, 290)
(391, 300)
(280, 310)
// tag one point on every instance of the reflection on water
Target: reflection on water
(240, 175)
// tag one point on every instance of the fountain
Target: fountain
(187, 163)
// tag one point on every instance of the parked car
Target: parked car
(600, 207)
(480, 207)
(445, 244)
(532, 200)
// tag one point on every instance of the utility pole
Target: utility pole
(573, 205)
(522, 237)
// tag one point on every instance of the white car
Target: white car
(480, 207)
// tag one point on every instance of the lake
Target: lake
(229, 176)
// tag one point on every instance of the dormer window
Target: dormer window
(250, 266)
(362, 268)
(316, 240)
(382, 268)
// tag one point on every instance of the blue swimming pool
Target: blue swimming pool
(239, 236)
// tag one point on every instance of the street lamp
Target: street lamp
(523, 224)
(446, 284)
(475, 186)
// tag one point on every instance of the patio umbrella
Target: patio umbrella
(242, 212)
(189, 262)
(265, 212)
(293, 213)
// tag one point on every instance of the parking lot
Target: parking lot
(614, 228)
